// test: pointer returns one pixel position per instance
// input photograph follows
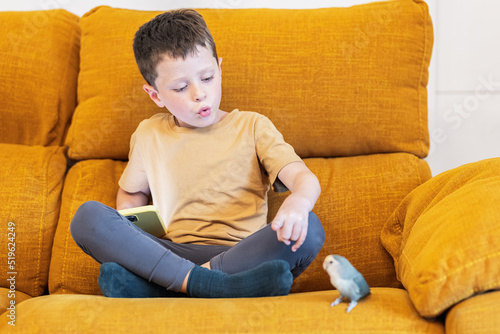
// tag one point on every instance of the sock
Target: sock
(117, 282)
(271, 278)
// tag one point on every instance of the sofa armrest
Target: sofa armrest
(444, 237)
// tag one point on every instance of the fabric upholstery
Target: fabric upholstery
(297, 313)
(71, 270)
(359, 193)
(32, 179)
(346, 87)
(478, 315)
(444, 237)
(358, 79)
(38, 69)
(6, 296)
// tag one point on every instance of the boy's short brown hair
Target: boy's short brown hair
(175, 34)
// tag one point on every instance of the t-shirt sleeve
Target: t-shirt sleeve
(273, 152)
(134, 178)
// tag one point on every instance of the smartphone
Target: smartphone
(147, 218)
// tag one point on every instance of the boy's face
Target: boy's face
(189, 88)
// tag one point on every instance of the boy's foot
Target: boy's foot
(271, 278)
(117, 282)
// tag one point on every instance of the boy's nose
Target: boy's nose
(198, 93)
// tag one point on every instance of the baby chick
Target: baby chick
(346, 279)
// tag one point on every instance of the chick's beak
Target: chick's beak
(326, 262)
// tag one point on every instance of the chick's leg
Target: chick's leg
(337, 301)
(352, 305)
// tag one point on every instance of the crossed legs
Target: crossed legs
(161, 265)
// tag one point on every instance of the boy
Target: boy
(208, 172)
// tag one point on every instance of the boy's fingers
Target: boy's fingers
(297, 230)
(277, 223)
(301, 240)
(287, 229)
(290, 229)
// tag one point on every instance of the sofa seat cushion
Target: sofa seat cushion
(39, 62)
(359, 193)
(335, 81)
(477, 315)
(10, 297)
(32, 180)
(385, 310)
(444, 237)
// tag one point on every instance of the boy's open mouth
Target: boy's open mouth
(204, 111)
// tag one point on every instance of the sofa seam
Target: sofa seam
(68, 133)
(58, 214)
(59, 97)
(468, 294)
(472, 263)
(417, 167)
(424, 52)
(42, 221)
(53, 136)
(74, 44)
(68, 233)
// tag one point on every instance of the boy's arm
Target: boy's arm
(291, 221)
(126, 200)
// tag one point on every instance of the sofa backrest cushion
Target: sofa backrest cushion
(71, 270)
(335, 81)
(358, 194)
(444, 237)
(32, 181)
(39, 61)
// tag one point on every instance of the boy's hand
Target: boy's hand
(126, 200)
(292, 220)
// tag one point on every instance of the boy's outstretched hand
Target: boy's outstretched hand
(291, 221)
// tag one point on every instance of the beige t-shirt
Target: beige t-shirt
(209, 184)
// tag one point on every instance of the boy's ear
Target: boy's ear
(153, 94)
(220, 62)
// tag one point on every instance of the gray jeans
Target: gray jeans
(107, 236)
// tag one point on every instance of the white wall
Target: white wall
(465, 122)
(464, 87)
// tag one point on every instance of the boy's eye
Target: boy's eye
(178, 90)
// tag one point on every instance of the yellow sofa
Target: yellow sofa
(345, 86)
